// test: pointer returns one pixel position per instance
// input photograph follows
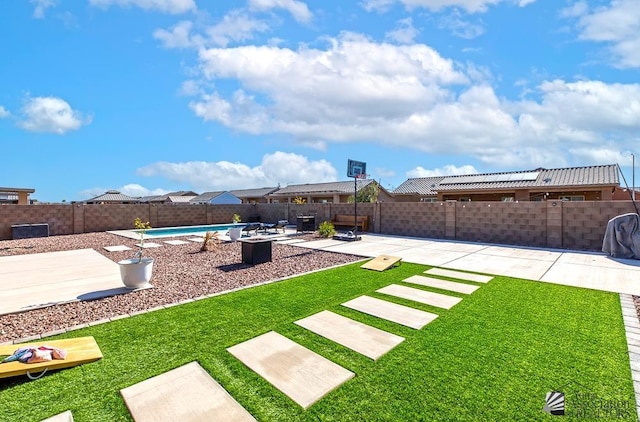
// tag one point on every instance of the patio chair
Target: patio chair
(275, 226)
(251, 227)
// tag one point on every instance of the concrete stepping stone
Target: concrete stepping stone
(422, 296)
(478, 278)
(302, 375)
(400, 314)
(60, 417)
(185, 394)
(196, 239)
(118, 248)
(364, 339)
(442, 284)
(148, 245)
(175, 242)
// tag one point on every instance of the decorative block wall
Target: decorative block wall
(555, 224)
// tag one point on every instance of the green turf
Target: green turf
(493, 356)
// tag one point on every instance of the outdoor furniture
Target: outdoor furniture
(306, 223)
(275, 226)
(27, 231)
(256, 250)
(251, 227)
(348, 221)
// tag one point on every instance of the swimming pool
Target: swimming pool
(189, 230)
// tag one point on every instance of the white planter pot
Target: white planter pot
(235, 233)
(136, 273)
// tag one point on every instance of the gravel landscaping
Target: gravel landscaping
(180, 272)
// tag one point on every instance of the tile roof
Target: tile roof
(180, 199)
(165, 197)
(419, 185)
(206, 196)
(253, 193)
(321, 188)
(606, 175)
(112, 196)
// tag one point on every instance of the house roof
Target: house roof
(419, 185)
(605, 175)
(16, 190)
(322, 188)
(180, 199)
(206, 196)
(165, 197)
(112, 196)
(253, 193)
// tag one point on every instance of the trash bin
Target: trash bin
(306, 223)
(256, 251)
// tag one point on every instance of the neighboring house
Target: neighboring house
(419, 189)
(593, 183)
(16, 196)
(112, 197)
(217, 198)
(254, 196)
(330, 192)
(625, 194)
(170, 197)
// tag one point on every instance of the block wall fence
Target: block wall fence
(553, 224)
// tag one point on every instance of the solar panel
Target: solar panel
(491, 178)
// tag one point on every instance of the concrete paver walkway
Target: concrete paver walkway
(421, 296)
(302, 375)
(364, 339)
(185, 394)
(400, 314)
(442, 284)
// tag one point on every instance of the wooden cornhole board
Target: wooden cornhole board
(382, 262)
(79, 350)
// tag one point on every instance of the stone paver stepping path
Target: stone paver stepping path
(422, 296)
(302, 375)
(118, 248)
(196, 239)
(364, 339)
(186, 394)
(442, 284)
(478, 278)
(60, 417)
(400, 314)
(148, 245)
(175, 242)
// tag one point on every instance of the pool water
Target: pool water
(189, 230)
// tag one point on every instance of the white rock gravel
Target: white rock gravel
(180, 273)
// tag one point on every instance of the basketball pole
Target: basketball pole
(355, 205)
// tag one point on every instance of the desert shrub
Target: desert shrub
(326, 229)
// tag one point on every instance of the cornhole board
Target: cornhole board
(382, 262)
(79, 350)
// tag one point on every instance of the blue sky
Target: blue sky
(150, 96)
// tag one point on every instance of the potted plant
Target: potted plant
(136, 272)
(236, 218)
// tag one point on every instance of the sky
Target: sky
(151, 96)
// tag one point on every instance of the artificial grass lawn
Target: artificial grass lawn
(493, 356)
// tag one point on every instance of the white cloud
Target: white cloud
(298, 9)
(178, 37)
(165, 6)
(4, 112)
(234, 27)
(617, 25)
(277, 168)
(408, 96)
(459, 27)
(405, 33)
(577, 9)
(50, 114)
(471, 6)
(41, 7)
(447, 170)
